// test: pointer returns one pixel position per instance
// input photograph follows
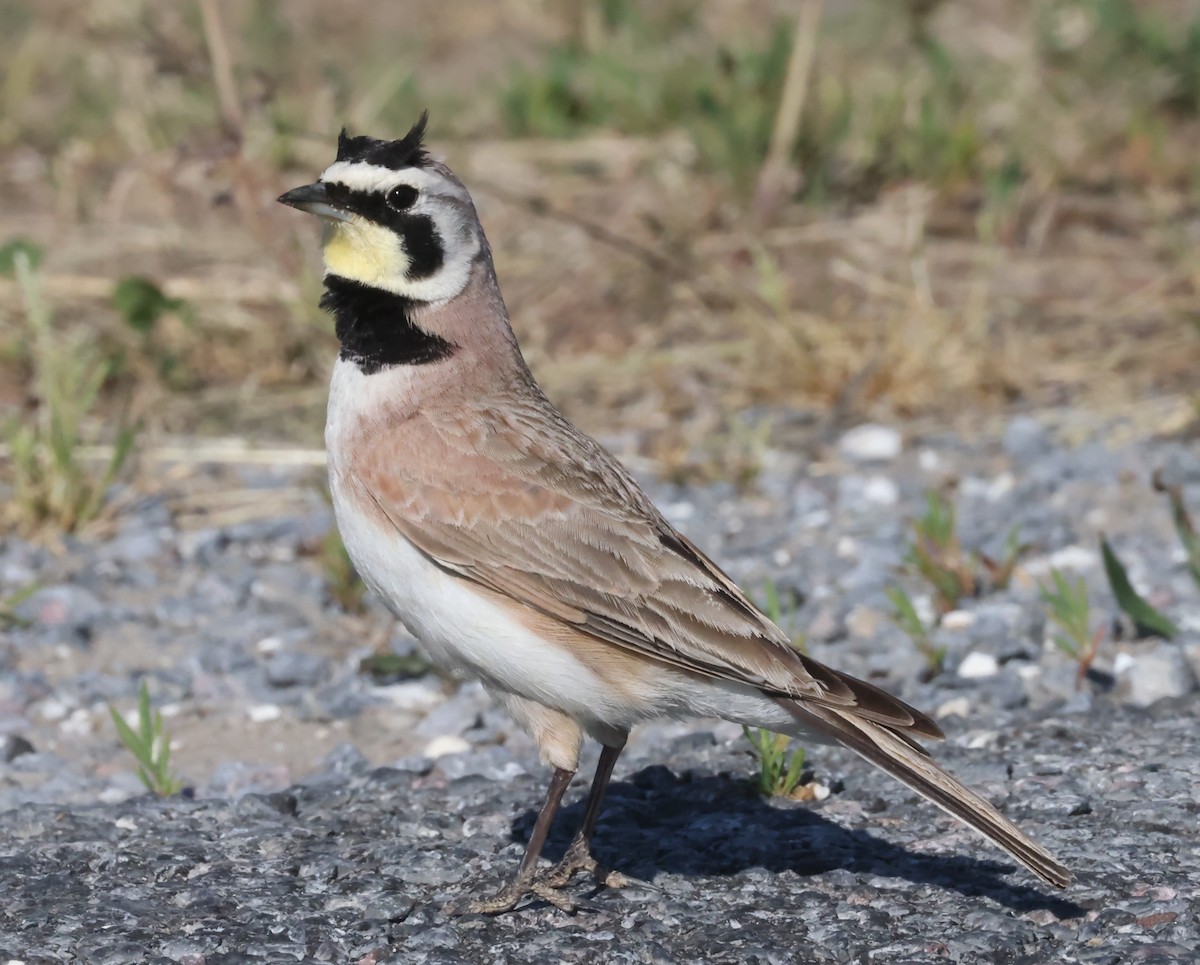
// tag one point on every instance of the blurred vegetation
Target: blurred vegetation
(984, 202)
(952, 574)
(908, 619)
(1185, 528)
(1071, 610)
(54, 483)
(1148, 620)
(938, 557)
(627, 71)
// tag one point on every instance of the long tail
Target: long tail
(888, 748)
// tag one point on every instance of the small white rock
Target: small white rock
(847, 548)
(929, 461)
(1001, 486)
(881, 491)
(982, 739)
(52, 709)
(1123, 662)
(446, 744)
(1157, 672)
(991, 490)
(126, 824)
(958, 619)
(871, 443)
(976, 665)
(268, 644)
(78, 724)
(819, 791)
(261, 713)
(955, 707)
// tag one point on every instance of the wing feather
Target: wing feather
(515, 499)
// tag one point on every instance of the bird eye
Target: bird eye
(401, 197)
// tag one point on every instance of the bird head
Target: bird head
(396, 219)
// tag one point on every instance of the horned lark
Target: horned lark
(518, 550)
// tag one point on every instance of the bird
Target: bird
(519, 552)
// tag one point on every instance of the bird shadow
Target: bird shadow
(716, 825)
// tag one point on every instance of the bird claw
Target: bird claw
(580, 858)
(511, 895)
(549, 886)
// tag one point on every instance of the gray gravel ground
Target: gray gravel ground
(332, 817)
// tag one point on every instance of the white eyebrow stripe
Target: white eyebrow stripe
(361, 176)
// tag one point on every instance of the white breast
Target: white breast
(458, 627)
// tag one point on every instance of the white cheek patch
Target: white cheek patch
(459, 248)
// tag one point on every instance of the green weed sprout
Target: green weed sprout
(150, 746)
(1071, 610)
(904, 612)
(937, 556)
(779, 772)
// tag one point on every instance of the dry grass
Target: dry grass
(984, 210)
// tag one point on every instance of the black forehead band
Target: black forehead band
(408, 152)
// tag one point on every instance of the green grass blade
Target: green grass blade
(906, 613)
(145, 720)
(1145, 617)
(795, 769)
(125, 733)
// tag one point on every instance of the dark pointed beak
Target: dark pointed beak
(314, 198)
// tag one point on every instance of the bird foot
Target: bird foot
(579, 858)
(549, 885)
(512, 894)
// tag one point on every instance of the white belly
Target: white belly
(462, 630)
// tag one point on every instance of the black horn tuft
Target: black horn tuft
(354, 148)
(408, 152)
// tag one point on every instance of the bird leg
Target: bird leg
(579, 855)
(526, 881)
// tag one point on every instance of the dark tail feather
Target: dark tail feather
(906, 761)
